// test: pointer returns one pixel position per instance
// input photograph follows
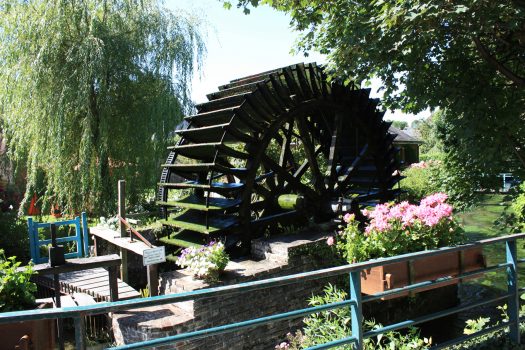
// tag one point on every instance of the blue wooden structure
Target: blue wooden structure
(80, 238)
(357, 336)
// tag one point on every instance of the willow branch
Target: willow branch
(501, 68)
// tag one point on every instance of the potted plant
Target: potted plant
(17, 293)
(395, 229)
(206, 262)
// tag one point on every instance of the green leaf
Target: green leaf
(461, 9)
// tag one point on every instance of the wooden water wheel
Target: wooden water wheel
(275, 147)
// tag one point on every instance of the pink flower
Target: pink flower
(283, 345)
(330, 241)
(365, 212)
(348, 217)
(420, 165)
(434, 199)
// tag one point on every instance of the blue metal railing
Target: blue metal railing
(355, 302)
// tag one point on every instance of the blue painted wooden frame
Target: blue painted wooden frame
(511, 297)
(80, 238)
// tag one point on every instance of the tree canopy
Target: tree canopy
(90, 91)
(465, 57)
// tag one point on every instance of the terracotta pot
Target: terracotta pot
(382, 278)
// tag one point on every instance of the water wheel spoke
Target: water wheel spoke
(333, 156)
(262, 191)
(345, 178)
(270, 180)
(310, 155)
(292, 181)
(286, 156)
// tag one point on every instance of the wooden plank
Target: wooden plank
(99, 286)
(129, 295)
(67, 301)
(84, 283)
(80, 278)
(83, 299)
(77, 264)
(112, 237)
(95, 284)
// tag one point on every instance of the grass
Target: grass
(479, 223)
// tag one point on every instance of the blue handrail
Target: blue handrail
(355, 302)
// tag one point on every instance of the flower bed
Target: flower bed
(402, 228)
(395, 229)
(205, 262)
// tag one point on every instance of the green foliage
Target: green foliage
(518, 209)
(418, 181)
(14, 238)
(432, 147)
(326, 326)
(473, 326)
(16, 289)
(427, 177)
(494, 340)
(90, 93)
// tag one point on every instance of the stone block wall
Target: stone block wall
(277, 257)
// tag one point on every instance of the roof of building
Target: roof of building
(404, 137)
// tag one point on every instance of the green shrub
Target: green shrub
(326, 326)
(495, 340)
(518, 209)
(14, 237)
(418, 182)
(424, 178)
(16, 289)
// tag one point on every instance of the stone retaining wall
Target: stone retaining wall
(279, 257)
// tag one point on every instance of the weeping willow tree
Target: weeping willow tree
(90, 91)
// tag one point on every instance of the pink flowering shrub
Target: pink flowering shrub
(420, 165)
(395, 229)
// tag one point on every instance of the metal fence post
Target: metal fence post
(80, 332)
(512, 285)
(356, 310)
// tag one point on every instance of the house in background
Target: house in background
(408, 143)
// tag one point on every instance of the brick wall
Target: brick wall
(279, 258)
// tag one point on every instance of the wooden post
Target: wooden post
(113, 283)
(56, 287)
(122, 228)
(153, 280)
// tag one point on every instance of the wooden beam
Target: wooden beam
(77, 264)
(113, 237)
